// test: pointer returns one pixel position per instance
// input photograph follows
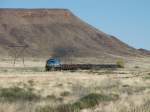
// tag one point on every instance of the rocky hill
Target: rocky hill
(57, 32)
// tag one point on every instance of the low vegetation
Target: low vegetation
(85, 102)
(93, 99)
(121, 63)
(65, 93)
(17, 94)
(60, 108)
(107, 90)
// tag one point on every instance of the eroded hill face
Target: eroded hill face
(56, 32)
(144, 51)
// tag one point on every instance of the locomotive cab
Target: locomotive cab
(52, 64)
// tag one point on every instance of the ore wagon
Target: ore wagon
(55, 65)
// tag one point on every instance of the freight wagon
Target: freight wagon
(55, 65)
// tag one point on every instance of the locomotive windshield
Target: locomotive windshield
(53, 62)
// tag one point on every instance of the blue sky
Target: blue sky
(128, 20)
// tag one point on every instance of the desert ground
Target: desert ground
(30, 88)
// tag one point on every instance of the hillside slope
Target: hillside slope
(144, 51)
(56, 32)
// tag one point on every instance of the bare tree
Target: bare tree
(18, 52)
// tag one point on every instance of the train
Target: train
(54, 64)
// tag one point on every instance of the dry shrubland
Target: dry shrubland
(31, 89)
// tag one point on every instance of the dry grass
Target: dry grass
(59, 91)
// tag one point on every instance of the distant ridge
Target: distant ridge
(144, 51)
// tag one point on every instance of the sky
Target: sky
(128, 20)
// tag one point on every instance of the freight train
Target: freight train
(55, 65)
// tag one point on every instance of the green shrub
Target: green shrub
(51, 97)
(65, 93)
(17, 94)
(120, 63)
(92, 100)
(31, 83)
(137, 67)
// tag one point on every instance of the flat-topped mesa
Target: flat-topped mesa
(36, 12)
(52, 32)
